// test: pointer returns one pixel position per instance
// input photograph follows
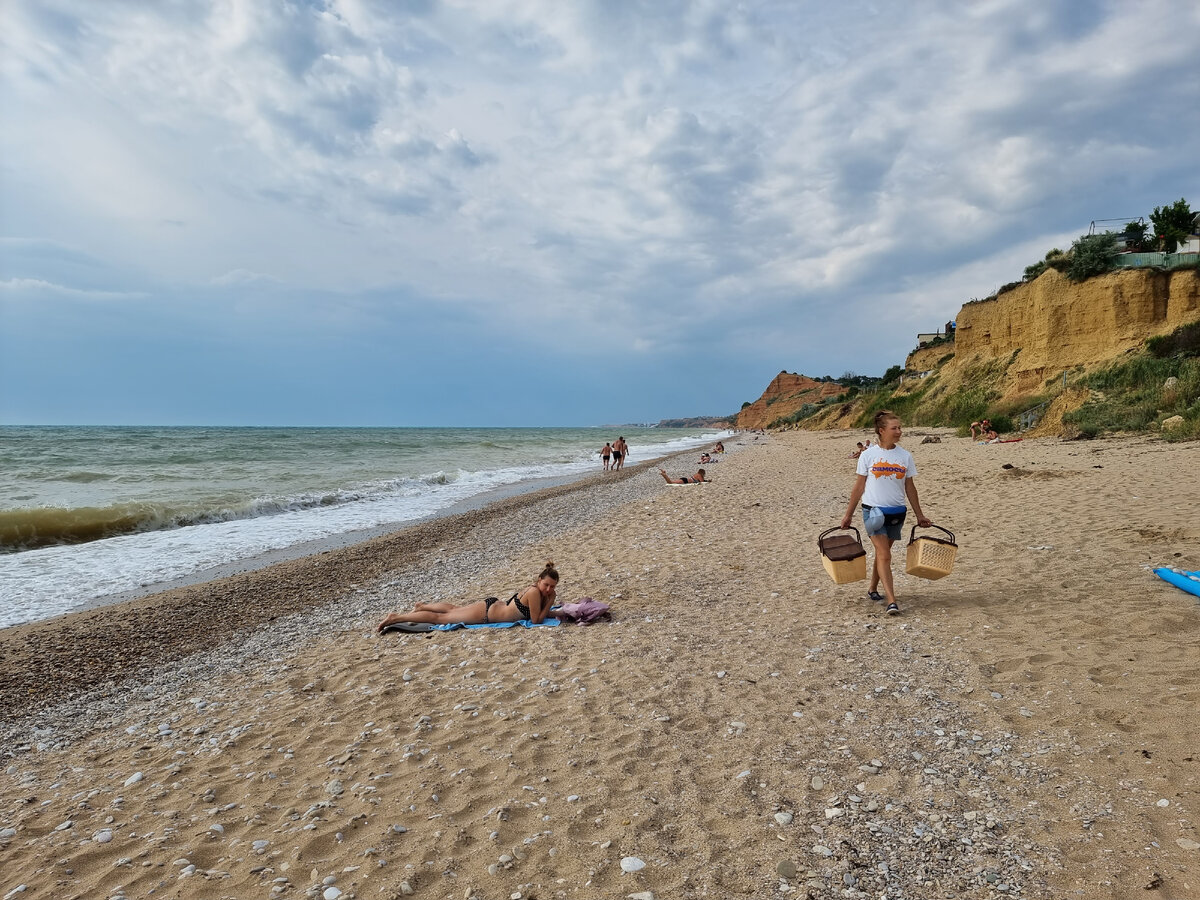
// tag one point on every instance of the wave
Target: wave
(85, 477)
(34, 528)
(29, 529)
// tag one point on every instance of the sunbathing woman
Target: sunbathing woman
(686, 479)
(530, 605)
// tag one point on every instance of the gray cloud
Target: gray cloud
(647, 177)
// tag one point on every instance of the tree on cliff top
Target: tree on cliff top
(1173, 224)
(1092, 254)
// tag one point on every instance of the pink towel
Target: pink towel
(584, 611)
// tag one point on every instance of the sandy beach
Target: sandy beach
(743, 728)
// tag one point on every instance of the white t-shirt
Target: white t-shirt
(886, 472)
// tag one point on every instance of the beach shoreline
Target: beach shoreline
(210, 606)
(743, 728)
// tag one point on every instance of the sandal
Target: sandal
(893, 609)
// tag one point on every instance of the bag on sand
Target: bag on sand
(843, 556)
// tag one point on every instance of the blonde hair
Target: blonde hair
(882, 417)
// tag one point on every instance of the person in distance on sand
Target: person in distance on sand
(686, 479)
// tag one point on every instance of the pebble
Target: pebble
(6, 833)
(641, 895)
(817, 782)
(786, 869)
(406, 889)
(331, 893)
(334, 788)
(133, 779)
(630, 864)
(19, 889)
(1164, 802)
(783, 818)
(102, 837)
(1187, 844)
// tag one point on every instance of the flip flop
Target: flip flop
(875, 595)
(893, 609)
(408, 628)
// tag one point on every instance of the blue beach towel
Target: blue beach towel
(454, 626)
(417, 628)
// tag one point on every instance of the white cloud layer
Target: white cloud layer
(664, 204)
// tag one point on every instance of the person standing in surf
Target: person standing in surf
(885, 479)
(606, 454)
(620, 451)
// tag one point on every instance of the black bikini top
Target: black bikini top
(515, 598)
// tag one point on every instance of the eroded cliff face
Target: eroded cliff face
(1057, 324)
(785, 395)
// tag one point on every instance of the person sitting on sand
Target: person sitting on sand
(529, 605)
(985, 428)
(720, 448)
(858, 449)
(705, 458)
(686, 479)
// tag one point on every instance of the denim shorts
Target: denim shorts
(884, 519)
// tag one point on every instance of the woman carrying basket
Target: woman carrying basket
(884, 480)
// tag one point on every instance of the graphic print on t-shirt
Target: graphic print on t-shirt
(882, 468)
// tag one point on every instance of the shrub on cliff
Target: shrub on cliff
(1134, 397)
(1183, 341)
(1054, 259)
(1091, 255)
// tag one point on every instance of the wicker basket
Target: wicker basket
(843, 556)
(930, 557)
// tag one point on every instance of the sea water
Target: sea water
(93, 512)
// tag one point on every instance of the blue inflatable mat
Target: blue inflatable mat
(1186, 581)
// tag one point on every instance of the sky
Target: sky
(544, 212)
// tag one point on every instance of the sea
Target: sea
(92, 515)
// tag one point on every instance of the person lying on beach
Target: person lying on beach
(705, 458)
(885, 479)
(686, 479)
(530, 605)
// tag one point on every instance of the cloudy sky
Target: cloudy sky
(543, 212)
